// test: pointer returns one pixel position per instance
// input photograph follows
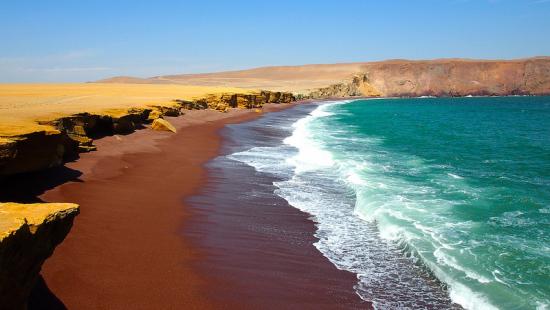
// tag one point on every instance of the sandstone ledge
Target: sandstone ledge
(51, 142)
(29, 234)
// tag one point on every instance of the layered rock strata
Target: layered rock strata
(29, 234)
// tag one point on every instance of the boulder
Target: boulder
(154, 115)
(162, 125)
(29, 234)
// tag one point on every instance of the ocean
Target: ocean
(431, 202)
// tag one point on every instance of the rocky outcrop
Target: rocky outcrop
(357, 86)
(83, 128)
(162, 125)
(28, 236)
(391, 78)
(35, 151)
(63, 139)
(455, 77)
(450, 78)
(444, 78)
(225, 101)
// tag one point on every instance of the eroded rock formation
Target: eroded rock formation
(35, 151)
(450, 78)
(454, 77)
(63, 139)
(162, 125)
(29, 234)
(357, 86)
(225, 101)
(391, 78)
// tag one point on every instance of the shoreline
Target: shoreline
(262, 247)
(99, 269)
(116, 254)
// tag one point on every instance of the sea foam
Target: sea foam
(377, 219)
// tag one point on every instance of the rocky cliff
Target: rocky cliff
(392, 78)
(57, 141)
(28, 236)
(225, 101)
(357, 86)
(460, 77)
(60, 140)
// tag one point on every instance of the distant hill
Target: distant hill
(440, 77)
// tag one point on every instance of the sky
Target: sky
(77, 41)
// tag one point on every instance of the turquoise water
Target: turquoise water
(462, 184)
(430, 201)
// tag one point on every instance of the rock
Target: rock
(163, 110)
(35, 151)
(158, 111)
(61, 140)
(29, 234)
(277, 97)
(458, 77)
(162, 125)
(56, 141)
(198, 104)
(396, 77)
(357, 86)
(8, 151)
(130, 121)
(154, 115)
(224, 101)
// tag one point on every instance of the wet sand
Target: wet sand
(130, 248)
(257, 245)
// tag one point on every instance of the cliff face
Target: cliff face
(57, 141)
(61, 140)
(460, 78)
(392, 78)
(28, 236)
(224, 101)
(357, 86)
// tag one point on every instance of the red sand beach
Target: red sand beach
(127, 250)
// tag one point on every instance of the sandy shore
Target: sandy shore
(256, 244)
(126, 249)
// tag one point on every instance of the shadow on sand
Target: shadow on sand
(26, 187)
(42, 298)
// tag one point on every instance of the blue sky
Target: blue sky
(55, 41)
